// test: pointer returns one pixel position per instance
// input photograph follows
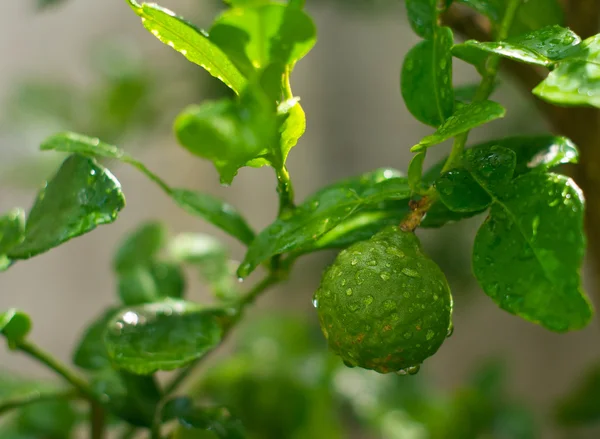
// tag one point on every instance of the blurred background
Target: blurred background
(89, 66)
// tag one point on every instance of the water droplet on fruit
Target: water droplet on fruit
(372, 262)
(429, 334)
(406, 294)
(385, 276)
(395, 252)
(360, 277)
(410, 272)
(413, 370)
(389, 304)
(315, 302)
(408, 335)
(450, 330)
(349, 292)
(368, 300)
(354, 261)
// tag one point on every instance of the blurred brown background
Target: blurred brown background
(349, 85)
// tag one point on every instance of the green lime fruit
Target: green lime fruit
(383, 304)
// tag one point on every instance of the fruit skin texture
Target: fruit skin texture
(383, 304)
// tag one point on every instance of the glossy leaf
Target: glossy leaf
(161, 336)
(422, 16)
(215, 211)
(321, 213)
(528, 254)
(12, 231)
(464, 119)
(576, 80)
(254, 37)
(426, 80)
(14, 326)
(80, 197)
(460, 192)
(581, 407)
(130, 397)
(79, 144)
(541, 47)
(191, 42)
(141, 246)
(90, 353)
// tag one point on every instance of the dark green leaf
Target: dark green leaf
(141, 246)
(191, 42)
(169, 279)
(215, 211)
(161, 336)
(463, 119)
(81, 196)
(439, 215)
(575, 80)
(254, 37)
(321, 213)
(426, 80)
(15, 326)
(132, 398)
(541, 47)
(528, 254)
(422, 16)
(460, 192)
(581, 407)
(80, 144)
(90, 353)
(12, 231)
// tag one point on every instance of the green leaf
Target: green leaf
(464, 119)
(12, 231)
(426, 79)
(90, 353)
(150, 283)
(229, 133)
(542, 47)
(215, 211)
(293, 127)
(439, 215)
(15, 326)
(79, 144)
(254, 37)
(161, 336)
(321, 213)
(49, 419)
(576, 79)
(422, 16)
(581, 406)
(471, 55)
(141, 246)
(169, 279)
(460, 192)
(528, 254)
(132, 398)
(191, 42)
(415, 172)
(80, 197)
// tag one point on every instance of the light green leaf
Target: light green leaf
(79, 144)
(321, 213)
(254, 37)
(542, 47)
(422, 16)
(576, 80)
(191, 42)
(80, 197)
(528, 254)
(426, 79)
(15, 326)
(293, 127)
(464, 119)
(161, 336)
(12, 231)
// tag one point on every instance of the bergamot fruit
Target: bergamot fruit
(383, 304)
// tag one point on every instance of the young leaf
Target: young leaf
(15, 326)
(191, 42)
(422, 16)
(581, 407)
(254, 37)
(161, 336)
(415, 172)
(541, 47)
(90, 353)
(293, 127)
(463, 119)
(12, 231)
(321, 213)
(528, 254)
(575, 80)
(80, 197)
(141, 246)
(426, 79)
(79, 144)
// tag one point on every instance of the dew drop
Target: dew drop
(413, 370)
(406, 294)
(354, 261)
(315, 302)
(450, 330)
(429, 334)
(389, 304)
(385, 276)
(410, 272)
(349, 292)
(372, 262)
(368, 300)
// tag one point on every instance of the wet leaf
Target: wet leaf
(576, 79)
(426, 79)
(161, 336)
(321, 213)
(542, 47)
(14, 326)
(581, 406)
(12, 231)
(422, 16)
(460, 192)
(528, 254)
(464, 119)
(191, 42)
(80, 197)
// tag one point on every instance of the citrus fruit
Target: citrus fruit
(383, 304)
